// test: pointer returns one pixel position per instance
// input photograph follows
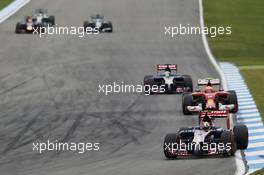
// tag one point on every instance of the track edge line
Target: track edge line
(11, 9)
(240, 165)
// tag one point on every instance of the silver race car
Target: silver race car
(99, 24)
(167, 81)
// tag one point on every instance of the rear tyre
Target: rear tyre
(188, 82)
(110, 26)
(233, 100)
(187, 100)
(169, 141)
(18, 28)
(85, 24)
(146, 83)
(52, 20)
(227, 138)
(241, 136)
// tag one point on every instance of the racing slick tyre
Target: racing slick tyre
(110, 26)
(188, 82)
(18, 28)
(227, 138)
(146, 83)
(52, 20)
(241, 136)
(169, 142)
(85, 24)
(233, 100)
(187, 100)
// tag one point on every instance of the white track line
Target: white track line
(240, 166)
(207, 49)
(12, 9)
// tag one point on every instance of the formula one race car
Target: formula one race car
(98, 23)
(168, 82)
(39, 19)
(206, 139)
(209, 98)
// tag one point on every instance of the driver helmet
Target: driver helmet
(167, 74)
(206, 125)
(209, 89)
(29, 19)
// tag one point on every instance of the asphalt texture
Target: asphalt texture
(49, 90)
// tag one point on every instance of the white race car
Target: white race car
(169, 82)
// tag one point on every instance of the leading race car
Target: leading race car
(98, 24)
(168, 82)
(207, 138)
(209, 98)
(39, 19)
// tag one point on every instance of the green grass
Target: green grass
(4, 3)
(251, 67)
(245, 46)
(259, 172)
(254, 78)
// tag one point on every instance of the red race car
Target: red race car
(209, 98)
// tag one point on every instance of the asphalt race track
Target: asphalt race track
(48, 89)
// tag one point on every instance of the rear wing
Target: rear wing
(216, 114)
(41, 11)
(204, 82)
(163, 67)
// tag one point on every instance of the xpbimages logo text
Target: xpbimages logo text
(121, 87)
(213, 31)
(192, 147)
(78, 31)
(58, 146)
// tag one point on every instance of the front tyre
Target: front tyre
(241, 136)
(187, 100)
(18, 28)
(52, 20)
(85, 24)
(227, 138)
(111, 27)
(169, 143)
(147, 85)
(188, 83)
(233, 100)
